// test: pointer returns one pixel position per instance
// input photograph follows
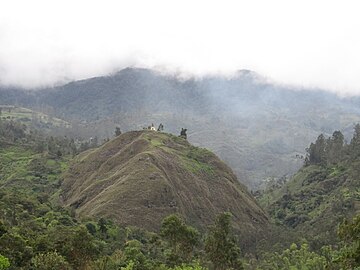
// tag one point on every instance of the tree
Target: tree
(181, 238)
(220, 245)
(335, 147)
(317, 151)
(135, 257)
(15, 247)
(349, 233)
(183, 133)
(161, 127)
(102, 226)
(355, 142)
(91, 228)
(295, 258)
(171, 228)
(117, 131)
(195, 266)
(77, 245)
(84, 248)
(4, 263)
(49, 260)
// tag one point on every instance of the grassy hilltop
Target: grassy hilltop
(140, 177)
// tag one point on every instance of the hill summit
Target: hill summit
(140, 177)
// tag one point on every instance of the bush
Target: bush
(4, 263)
(49, 260)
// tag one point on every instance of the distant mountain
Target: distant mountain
(141, 177)
(260, 129)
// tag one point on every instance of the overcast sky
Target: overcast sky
(309, 42)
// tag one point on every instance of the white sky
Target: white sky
(309, 42)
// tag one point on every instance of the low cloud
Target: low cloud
(311, 44)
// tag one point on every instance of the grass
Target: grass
(156, 139)
(150, 175)
(14, 162)
(156, 142)
(22, 168)
(336, 171)
(193, 159)
(25, 116)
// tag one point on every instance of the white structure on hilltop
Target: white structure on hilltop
(152, 127)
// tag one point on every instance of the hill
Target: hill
(322, 193)
(140, 177)
(257, 127)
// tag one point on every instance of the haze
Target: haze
(303, 43)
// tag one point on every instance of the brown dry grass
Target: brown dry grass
(140, 177)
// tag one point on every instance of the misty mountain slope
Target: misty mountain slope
(140, 177)
(129, 91)
(16, 96)
(257, 127)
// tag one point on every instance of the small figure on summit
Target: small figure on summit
(183, 133)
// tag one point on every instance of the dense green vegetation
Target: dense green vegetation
(321, 195)
(37, 233)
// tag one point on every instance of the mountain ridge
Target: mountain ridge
(241, 119)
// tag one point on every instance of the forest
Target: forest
(36, 232)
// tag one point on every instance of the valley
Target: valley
(123, 202)
(179, 135)
(86, 185)
(258, 128)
